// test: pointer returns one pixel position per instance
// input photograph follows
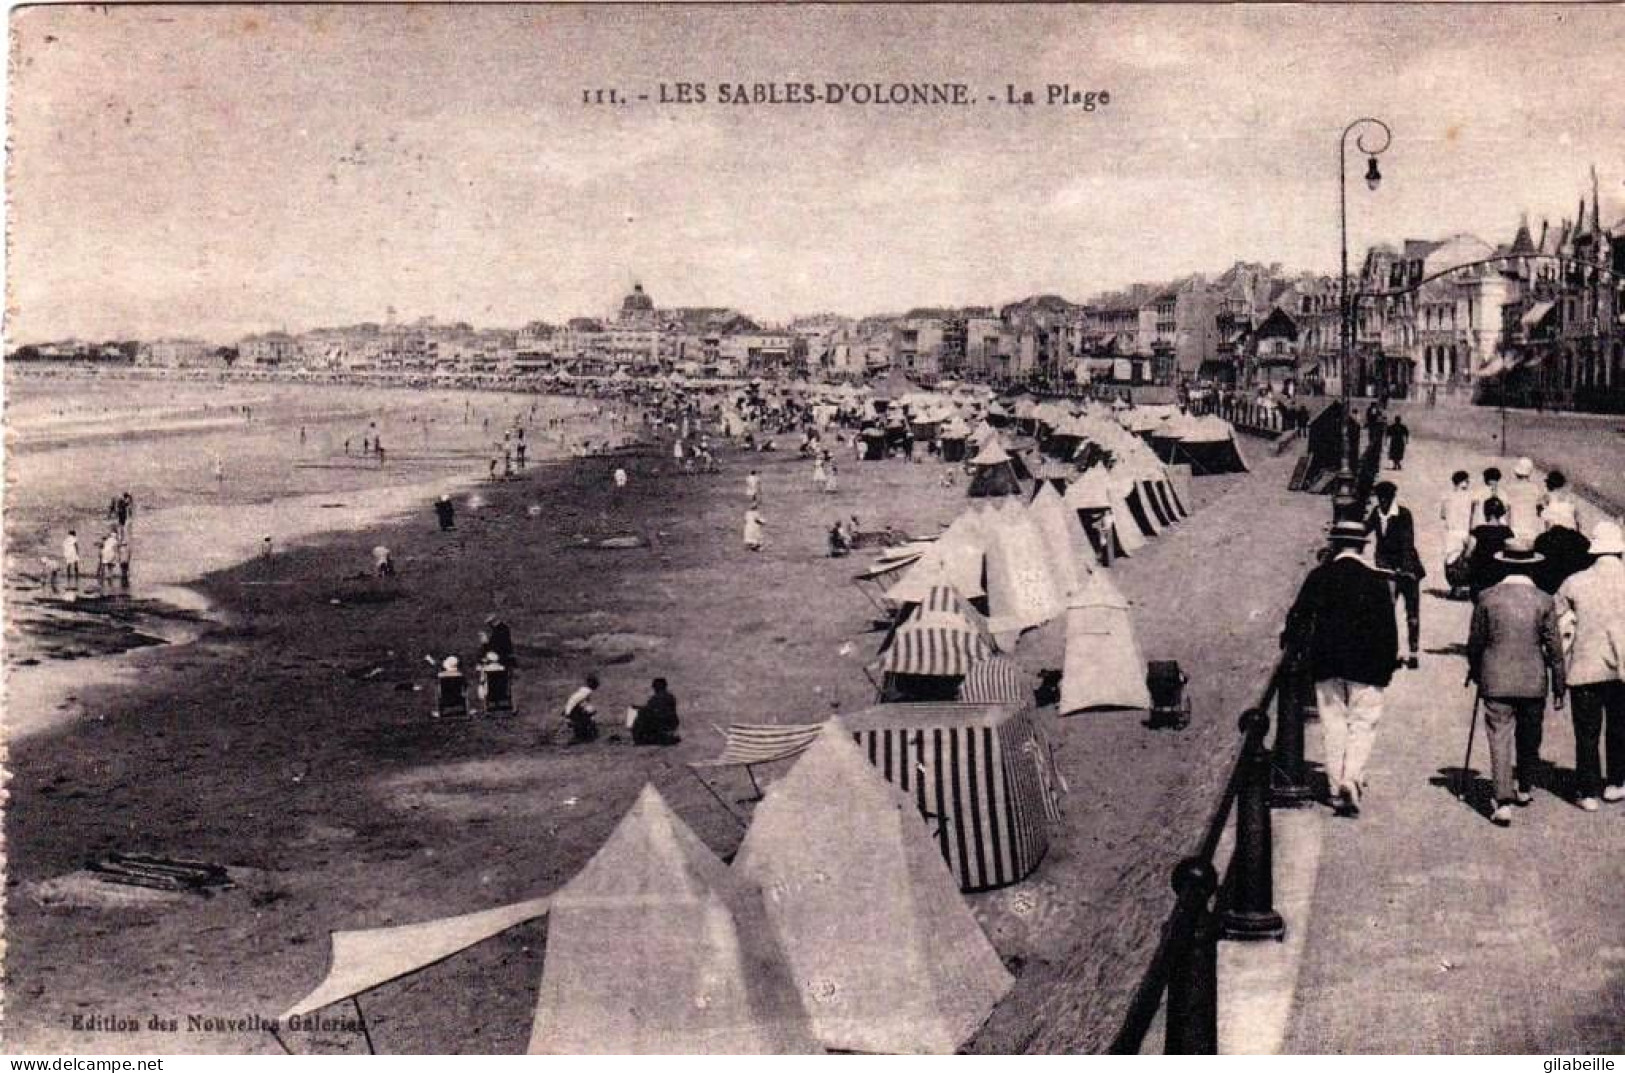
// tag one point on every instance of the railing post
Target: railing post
(1291, 782)
(1192, 1018)
(1250, 913)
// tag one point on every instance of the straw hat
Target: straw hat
(1607, 539)
(449, 665)
(1518, 552)
(1348, 533)
(1524, 468)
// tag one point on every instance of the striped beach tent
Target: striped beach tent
(939, 648)
(997, 680)
(977, 772)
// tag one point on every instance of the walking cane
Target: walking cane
(1461, 780)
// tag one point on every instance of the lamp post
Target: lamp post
(1373, 178)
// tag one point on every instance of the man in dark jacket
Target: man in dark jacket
(1515, 655)
(1343, 623)
(1351, 436)
(1395, 533)
(656, 722)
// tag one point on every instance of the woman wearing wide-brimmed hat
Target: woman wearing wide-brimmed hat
(1514, 654)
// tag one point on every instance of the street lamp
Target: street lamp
(1373, 179)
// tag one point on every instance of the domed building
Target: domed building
(637, 308)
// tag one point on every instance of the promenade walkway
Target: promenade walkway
(1426, 928)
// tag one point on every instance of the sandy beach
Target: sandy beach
(291, 743)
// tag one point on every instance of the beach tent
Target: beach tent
(655, 947)
(995, 472)
(955, 558)
(1093, 492)
(1127, 491)
(933, 646)
(1207, 444)
(889, 958)
(1103, 667)
(1070, 554)
(977, 772)
(951, 439)
(1023, 587)
(997, 680)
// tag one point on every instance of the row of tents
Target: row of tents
(836, 928)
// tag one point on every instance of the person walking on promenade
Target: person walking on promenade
(1514, 655)
(1351, 434)
(1456, 512)
(1343, 623)
(1398, 438)
(753, 488)
(1591, 617)
(1492, 490)
(1565, 550)
(1557, 491)
(70, 558)
(1395, 533)
(1483, 544)
(753, 529)
(1523, 498)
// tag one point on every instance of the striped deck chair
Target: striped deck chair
(748, 744)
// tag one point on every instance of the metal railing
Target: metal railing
(1184, 968)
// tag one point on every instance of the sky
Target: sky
(213, 171)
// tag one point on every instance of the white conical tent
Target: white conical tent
(1023, 590)
(955, 557)
(655, 947)
(1104, 667)
(888, 957)
(1070, 553)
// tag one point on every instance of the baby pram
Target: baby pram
(1170, 707)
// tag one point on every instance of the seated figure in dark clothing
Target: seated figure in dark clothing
(656, 721)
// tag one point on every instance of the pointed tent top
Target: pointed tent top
(651, 851)
(991, 454)
(1099, 590)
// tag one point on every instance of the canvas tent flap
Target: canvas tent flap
(364, 959)
(656, 947)
(1103, 667)
(888, 956)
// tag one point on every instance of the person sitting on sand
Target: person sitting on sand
(655, 723)
(580, 714)
(451, 697)
(840, 542)
(382, 564)
(620, 478)
(446, 512)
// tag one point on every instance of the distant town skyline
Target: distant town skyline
(214, 172)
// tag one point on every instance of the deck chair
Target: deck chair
(748, 744)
